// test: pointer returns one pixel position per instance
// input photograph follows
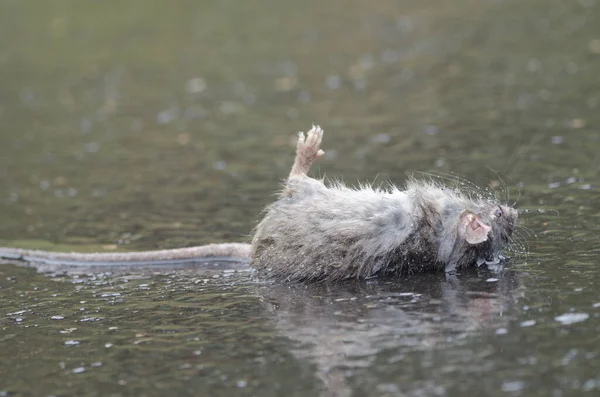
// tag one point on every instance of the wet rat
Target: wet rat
(316, 231)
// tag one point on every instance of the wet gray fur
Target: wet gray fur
(319, 231)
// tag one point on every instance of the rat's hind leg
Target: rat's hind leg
(307, 151)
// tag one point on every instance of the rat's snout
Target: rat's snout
(508, 221)
(510, 213)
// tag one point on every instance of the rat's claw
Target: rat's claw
(314, 137)
(307, 150)
(301, 137)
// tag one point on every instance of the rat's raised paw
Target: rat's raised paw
(309, 145)
(307, 150)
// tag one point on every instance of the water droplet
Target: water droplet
(527, 323)
(591, 384)
(109, 294)
(512, 386)
(571, 318)
(90, 319)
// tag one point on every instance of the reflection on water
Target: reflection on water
(149, 124)
(347, 330)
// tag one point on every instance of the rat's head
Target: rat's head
(478, 235)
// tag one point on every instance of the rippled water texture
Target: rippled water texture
(147, 124)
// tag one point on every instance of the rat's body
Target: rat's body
(319, 232)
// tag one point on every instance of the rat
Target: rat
(318, 231)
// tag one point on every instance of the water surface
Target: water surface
(145, 125)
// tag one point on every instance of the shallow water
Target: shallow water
(145, 125)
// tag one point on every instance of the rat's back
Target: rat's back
(319, 232)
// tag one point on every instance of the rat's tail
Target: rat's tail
(211, 256)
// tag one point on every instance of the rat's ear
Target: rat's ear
(473, 230)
